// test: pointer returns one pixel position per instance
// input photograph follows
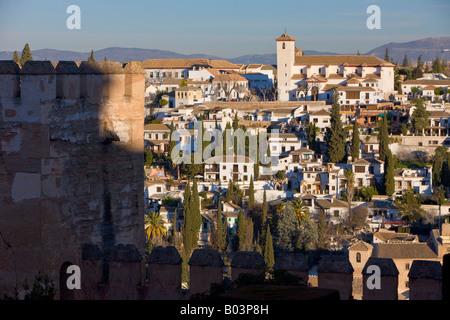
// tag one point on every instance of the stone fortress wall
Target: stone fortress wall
(71, 172)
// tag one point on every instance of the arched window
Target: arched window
(358, 257)
(284, 45)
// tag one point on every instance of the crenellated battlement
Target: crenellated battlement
(44, 81)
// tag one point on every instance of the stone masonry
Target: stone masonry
(71, 170)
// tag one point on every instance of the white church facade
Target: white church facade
(358, 79)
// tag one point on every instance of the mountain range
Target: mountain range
(428, 48)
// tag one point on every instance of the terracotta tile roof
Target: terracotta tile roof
(340, 60)
(321, 112)
(353, 81)
(301, 151)
(404, 251)
(229, 77)
(372, 76)
(425, 82)
(186, 64)
(430, 87)
(156, 127)
(298, 76)
(438, 114)
(285, 37)
(342, 88)
(335, 76)
(361, 246)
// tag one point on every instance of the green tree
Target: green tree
(285, 237)
(235, 122)
(405, 62)
(16, 58)
(311, 132)
(355, 144)
(264, 212)
(350, 188)
(322, 231)
(91, 57)
(410, 207)
(420, 116)
(251, 194)
(436, 66)
(386, 55)
(26, 55)
(389, 182)
(301, 211)
(191, 213)
(269, 256)
(148, 157)
(307, 236)
(404, 129)
(183, 83)
(439, 91)
(154, 226)
(417, 73)
(368, 192)
(439, 161)
(241, 232)
(415, 91)
(334, 137)
(219, 234)
(383, 138)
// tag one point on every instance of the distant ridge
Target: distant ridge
(429, 48)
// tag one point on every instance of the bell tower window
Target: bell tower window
(284, 45)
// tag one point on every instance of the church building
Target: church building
(358, 79)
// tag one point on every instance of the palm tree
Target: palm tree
(350, 186)
(301, 211)
(154, 226)
(280, 208)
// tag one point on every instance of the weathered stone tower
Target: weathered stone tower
(71, 175)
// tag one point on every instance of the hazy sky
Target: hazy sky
(225, 28)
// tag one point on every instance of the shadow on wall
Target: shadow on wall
(71, 169)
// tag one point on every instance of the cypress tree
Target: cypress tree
(389, 182)
(334, 137)
(91, 57)
(251, 194)
(355, 145)
(419, 117)
(16, 58)
(235, 122)
(26, 55)
(386, 55)
(172, 144)
(220, 234)
(187, 214)
(241, 232)
(405, 62)
(264, 209)
(269, 257)
(196, 215)
(440, 156)
(383, 138)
